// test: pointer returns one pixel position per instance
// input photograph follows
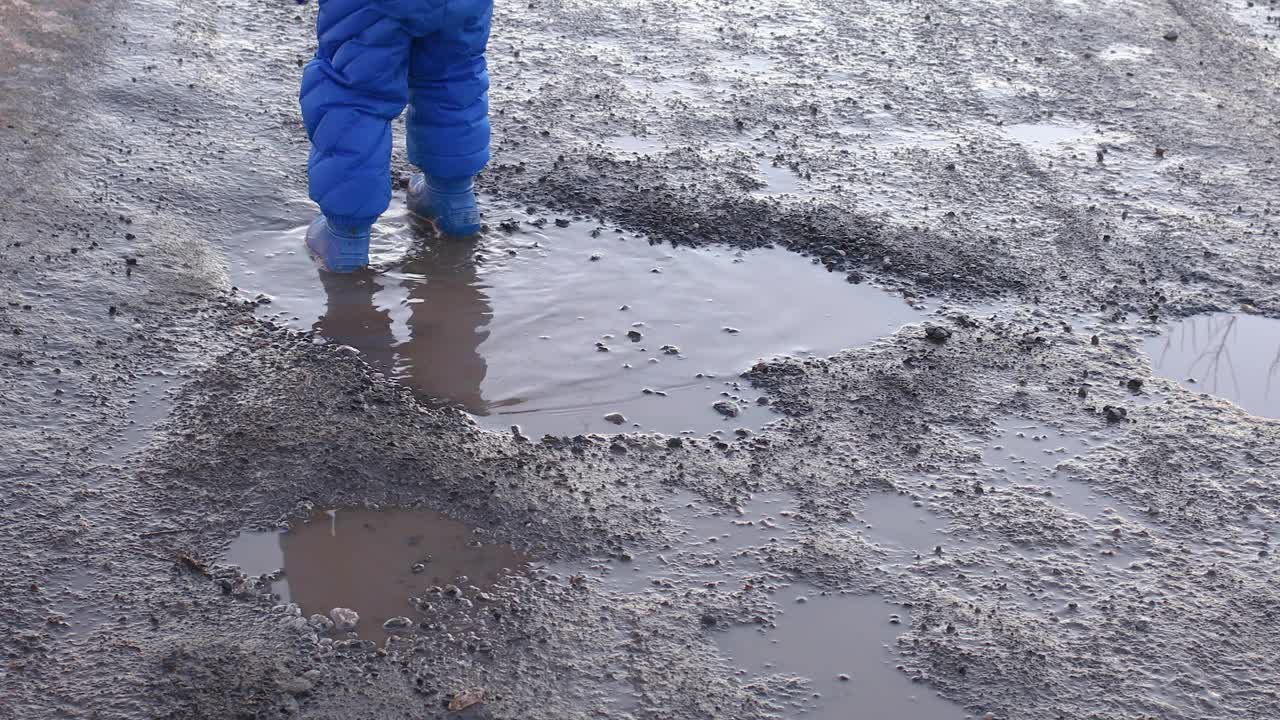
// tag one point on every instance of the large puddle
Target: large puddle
(1231, 356)
(375, 563)
(563, 326)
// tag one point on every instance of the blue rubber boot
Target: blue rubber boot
(341, 249)
(451, 203)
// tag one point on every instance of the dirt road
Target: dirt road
(907, 359)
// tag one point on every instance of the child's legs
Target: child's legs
(448, 120)
(351, 91)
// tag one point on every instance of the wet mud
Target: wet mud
(973, 251)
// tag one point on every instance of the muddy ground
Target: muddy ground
(1056, 181)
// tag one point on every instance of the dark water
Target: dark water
(1233, 356)
(829, 636)
(365, 560)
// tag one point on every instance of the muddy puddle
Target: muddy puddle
(1045, 133)
(564, 326)
(841, 644)
(1028, 456)
(374, 562)
(1233, 356)
(837, 643)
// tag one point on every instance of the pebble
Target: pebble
(937, 333)
(727, 408)
(345, 619)
(320, 623)
(615, 418)
(398, 625)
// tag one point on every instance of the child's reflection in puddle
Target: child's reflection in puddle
(449, 315)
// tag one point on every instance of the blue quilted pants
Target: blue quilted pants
(376, 56)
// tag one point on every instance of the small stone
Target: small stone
(843, 677)
(1134, 384)
(732, 330)
(615, 418)
(1115, 414)
(344, 619)
(418, 567)
(466, 698)
(398, 625)
(802, 599)
(1171, 36)
(670, 349)
(320, 623)
(634, 335)
(727, 408)
(937, 333)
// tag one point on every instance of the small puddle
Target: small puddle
(1045, 133)
(635, 145)
(1028, 455)
(555, 325)
(1234, 356)
(841, 644)
(148, 406)
(898, 523)
(1126, 53)
(373, 562)
(819, 638)
(779, 180)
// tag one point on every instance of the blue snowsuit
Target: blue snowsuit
(374, 57)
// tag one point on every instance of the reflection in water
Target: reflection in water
(1234, 356)
(555, 326)
(365, 560)
(449, 314)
